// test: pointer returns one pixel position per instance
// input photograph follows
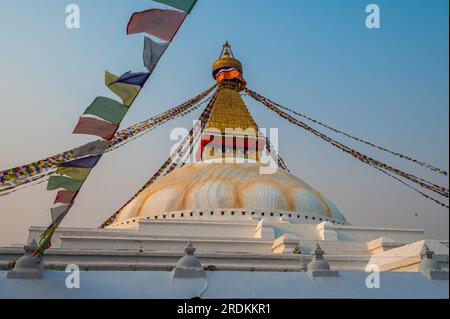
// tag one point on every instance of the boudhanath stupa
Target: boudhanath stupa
(230, 220)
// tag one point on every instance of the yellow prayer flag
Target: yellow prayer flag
(127, 92)
(78, 173)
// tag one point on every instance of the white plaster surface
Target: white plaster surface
(223, 284)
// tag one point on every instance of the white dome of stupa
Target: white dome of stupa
(213, 187)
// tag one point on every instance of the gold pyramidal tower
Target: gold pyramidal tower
(230, 132)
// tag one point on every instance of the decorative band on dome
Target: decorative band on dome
(226, 68)
(229, 74)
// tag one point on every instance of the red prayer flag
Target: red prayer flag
(163, 24)
(92, 126)
(65, 197)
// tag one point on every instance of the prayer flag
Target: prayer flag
(135, 78)
(163, 24)
(127, 92)
(92, 148)
(59, 212)
(70, 184)
(107, 109)
(85, 162)
(65, 197)
(87, 125)
(78, 173)
(153, 52)
(184, 5)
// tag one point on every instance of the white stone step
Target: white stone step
(164, 244)
(207, 229)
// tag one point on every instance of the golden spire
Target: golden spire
(226, 50)
(230, 119)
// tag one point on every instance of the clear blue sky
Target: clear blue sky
(388, 85)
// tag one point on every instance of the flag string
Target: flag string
(364, 158)
(403, 156)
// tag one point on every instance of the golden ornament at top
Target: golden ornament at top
(226, 60)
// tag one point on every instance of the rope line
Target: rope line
(30, 183)
(276, 156)
(410, 186)
(403, 156)
(364, 158)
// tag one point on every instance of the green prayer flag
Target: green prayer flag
(107, 109)
(184, 5)
(127, 92)
(70, 184)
